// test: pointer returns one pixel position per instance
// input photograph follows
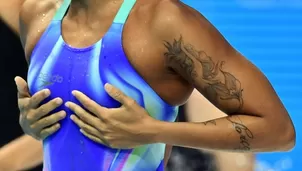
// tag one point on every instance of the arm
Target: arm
(21, 154)
(199, 109)
(9, 13)
(257, 120)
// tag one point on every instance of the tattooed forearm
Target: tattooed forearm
(222, 88)
(210, 122)
(245, 135)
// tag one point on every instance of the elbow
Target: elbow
(287, 138)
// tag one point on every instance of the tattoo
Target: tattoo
(245, 135)
(176, 55)
(210, 122)
(220, 87)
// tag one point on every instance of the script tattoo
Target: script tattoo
(245, 135)
(222, 88)
(210, 122)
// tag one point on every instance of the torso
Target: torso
(132, 61)
(144, 51)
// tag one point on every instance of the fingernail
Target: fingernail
(47, 92)
(107, 87)
(58, 101)
(62, 114)
(67, 104)
(71, 117)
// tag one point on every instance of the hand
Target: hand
(126, 127)
(33, 119)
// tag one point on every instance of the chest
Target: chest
(143, 51)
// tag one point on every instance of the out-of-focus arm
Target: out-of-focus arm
(22, 153)
(9, 13)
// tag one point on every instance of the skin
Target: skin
(225, 161)
(22, 153)
(183, 51)
(14, 156)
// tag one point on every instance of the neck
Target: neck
(92, 9)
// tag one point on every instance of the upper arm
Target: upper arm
(201, 55)
(9, 13)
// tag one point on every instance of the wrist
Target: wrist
(161, 131)
(153, 131)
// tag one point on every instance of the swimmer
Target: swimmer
(120, 69)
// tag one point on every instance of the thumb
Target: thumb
(22, 87)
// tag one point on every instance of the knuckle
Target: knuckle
(84, 127)
(29, 117)
(46, 120)
(86, 103)
(56, 117)
(32, 127)
(113, 145)
(117, 94)
(42, 109)
(106, 137)
(131, 102)
(34, 98)
(23, 105)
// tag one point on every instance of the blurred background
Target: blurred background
(267, 32)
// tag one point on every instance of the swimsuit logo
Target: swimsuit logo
(47, 79)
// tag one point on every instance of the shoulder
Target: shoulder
(36, 14)
(32, 10)
(173, 17)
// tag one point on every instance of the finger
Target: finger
(78, 110)
(85, 116)
(22, 87)
(117, 94)
(93, 138)
(46, 108)
(38, 97)
(23, 103)
(85, 126)
(48, 131)
(49, 120)
(89, 104)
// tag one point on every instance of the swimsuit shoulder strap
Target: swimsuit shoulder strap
(59, 15)
(124, 11)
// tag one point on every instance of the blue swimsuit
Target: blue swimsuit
(61, 68)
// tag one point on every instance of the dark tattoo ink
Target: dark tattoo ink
(222, 88)
(245, 135)
(176, 55)
(210, 122)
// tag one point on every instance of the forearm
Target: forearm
(233, 133)
(21, 154)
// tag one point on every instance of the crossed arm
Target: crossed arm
(256, 121)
